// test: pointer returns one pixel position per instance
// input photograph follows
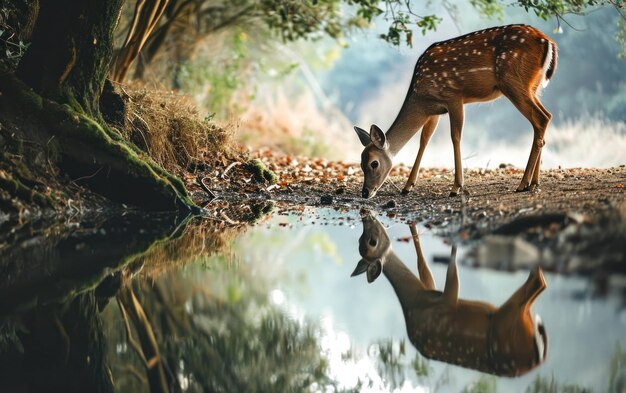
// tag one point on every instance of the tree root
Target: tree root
(95, 155)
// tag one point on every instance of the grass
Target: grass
(169, 129)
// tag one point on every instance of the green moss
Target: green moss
(131, 177)
(259, 210)
(260, 171)
(18, 189)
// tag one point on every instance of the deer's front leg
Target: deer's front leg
(422, 266)
(427, 131)
(456, 127)
(451, 290)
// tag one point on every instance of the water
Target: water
(272, 308)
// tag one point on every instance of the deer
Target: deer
(504, 341)
(511, 61)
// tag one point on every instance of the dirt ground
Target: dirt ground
(580, 193)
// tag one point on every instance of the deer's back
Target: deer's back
(471, 65)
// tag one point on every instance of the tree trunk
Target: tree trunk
(72, 45)
(66, 65)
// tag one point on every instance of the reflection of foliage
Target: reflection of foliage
(484, 384)
(617, 373)
(545, 385)
(420, 366)
(391, 361)
(228, 339)
(393, 365)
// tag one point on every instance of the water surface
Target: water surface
(273, 310)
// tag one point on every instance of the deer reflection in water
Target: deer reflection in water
(505, 340)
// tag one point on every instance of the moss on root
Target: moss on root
(15, 187)
(260, 172)
(91, 153)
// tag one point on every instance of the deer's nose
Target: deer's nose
(365, 193)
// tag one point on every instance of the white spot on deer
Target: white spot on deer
(435, 61)
(479, 69)
(521, 40)
(503, 56)
(504, 38)
(455, 58)
(474, 51)
(453, 68)
(444, 74)
(465, 42)
(457, 74)
(515, 54)
(514, 37)
(479, 52)
(435, 74)
(543, 40)
(466, 53)
(445, 59)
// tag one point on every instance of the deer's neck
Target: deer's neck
(404, 282)
(409, 120)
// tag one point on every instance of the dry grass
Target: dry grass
(168, 127)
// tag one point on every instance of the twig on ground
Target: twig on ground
(228, 168)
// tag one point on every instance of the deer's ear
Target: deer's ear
(374, 270)
(363, 135)
(378, 137)
(361, 268)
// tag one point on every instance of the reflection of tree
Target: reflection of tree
(57, 348)
(217, 340)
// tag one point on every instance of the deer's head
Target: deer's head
(374, 246)
(376, 160)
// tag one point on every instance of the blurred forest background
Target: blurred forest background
(303, 96)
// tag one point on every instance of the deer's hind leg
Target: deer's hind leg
(519, 82)
(539, 119)
(534, 183)
(427, 131)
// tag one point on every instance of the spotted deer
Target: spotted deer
(506, 340)
(482, 66)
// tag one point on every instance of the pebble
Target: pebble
(326, 199)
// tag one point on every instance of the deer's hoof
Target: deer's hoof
(406, 191)
(523, 189)
(453, 194)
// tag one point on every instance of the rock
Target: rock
(505, 252)
(390, 205)
(326, 199)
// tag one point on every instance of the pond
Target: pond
(162, 303)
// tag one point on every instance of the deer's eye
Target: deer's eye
(374, 164)
(372, 242)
